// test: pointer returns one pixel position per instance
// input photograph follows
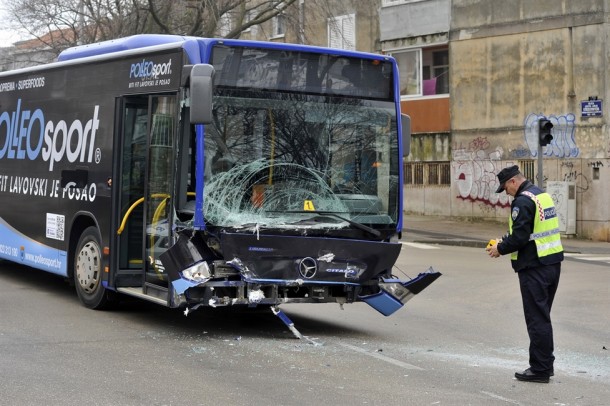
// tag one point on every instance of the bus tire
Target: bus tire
(88, 270)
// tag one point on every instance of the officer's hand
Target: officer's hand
(492, 249)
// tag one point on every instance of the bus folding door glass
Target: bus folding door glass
(159, 214)
(134, 150)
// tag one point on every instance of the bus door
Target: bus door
(145, 180)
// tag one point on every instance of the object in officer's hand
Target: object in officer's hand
(490, 243)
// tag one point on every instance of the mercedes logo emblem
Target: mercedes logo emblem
(308, 267)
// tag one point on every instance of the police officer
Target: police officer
(536, 253)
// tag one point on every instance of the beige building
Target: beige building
(345, 24)
(510, 65)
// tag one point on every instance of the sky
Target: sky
(7, 36)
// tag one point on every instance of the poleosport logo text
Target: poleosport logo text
(25, 134)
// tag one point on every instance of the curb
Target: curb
(458, 243)
(481, 244)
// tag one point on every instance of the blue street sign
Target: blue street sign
(591, 108)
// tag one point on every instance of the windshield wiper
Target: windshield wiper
(352, 223)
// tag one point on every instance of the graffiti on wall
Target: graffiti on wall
(569, 172)
(581, 181)
(563, 144)
(476, 164)
(475, 167)
(521, 152)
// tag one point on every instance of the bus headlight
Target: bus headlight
(199, 272)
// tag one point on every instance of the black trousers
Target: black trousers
(538, 287)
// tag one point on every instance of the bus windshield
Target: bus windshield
(283, 157)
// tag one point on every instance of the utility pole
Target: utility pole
(81, 22)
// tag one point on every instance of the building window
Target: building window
(427, 173)
(526, 166)
(342, 32)
(409, 66)
(279, 25)
(418, 173)
(423, 71)
(408, 174)
(438, 70)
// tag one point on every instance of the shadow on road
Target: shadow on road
(223, 322)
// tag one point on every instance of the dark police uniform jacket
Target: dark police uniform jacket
(523, 209)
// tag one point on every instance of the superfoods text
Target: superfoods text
(25, 134)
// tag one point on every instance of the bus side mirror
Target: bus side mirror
(406, 134)
(201, 91)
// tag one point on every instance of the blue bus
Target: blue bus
(207, 172)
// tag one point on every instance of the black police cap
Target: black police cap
(505, 174)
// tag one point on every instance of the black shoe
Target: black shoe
(529, 376)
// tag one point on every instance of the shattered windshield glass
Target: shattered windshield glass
(296, 160)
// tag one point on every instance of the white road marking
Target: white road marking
(421, 246)
(588, 257)
(498, 397)
(381, 357)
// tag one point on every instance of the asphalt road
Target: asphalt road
(459, 342)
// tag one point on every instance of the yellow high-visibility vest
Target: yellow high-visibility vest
(546, 226)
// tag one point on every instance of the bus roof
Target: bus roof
(86, 56)
(118, 45)
(204, 44)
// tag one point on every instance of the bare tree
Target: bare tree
(55, 25)
(58, 24)
(205, 17)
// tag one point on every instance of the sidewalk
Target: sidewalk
(477, 233)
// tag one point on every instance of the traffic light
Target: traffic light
(544, 131)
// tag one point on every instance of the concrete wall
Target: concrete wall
(481, 18)
(512, 62)
(427, 200)
(474, 182)
(430, 147)
(414, 19)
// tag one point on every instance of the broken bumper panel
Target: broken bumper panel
(308, 259)
(394, 293)
(272, 271)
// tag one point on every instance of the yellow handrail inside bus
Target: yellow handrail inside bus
(156, 216)
(139, 201)
(158, 212)
(133, 206)
(127, 213)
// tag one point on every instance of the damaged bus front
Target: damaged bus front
(288, 189)
(204, 172)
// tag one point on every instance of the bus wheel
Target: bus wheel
(88, 270)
